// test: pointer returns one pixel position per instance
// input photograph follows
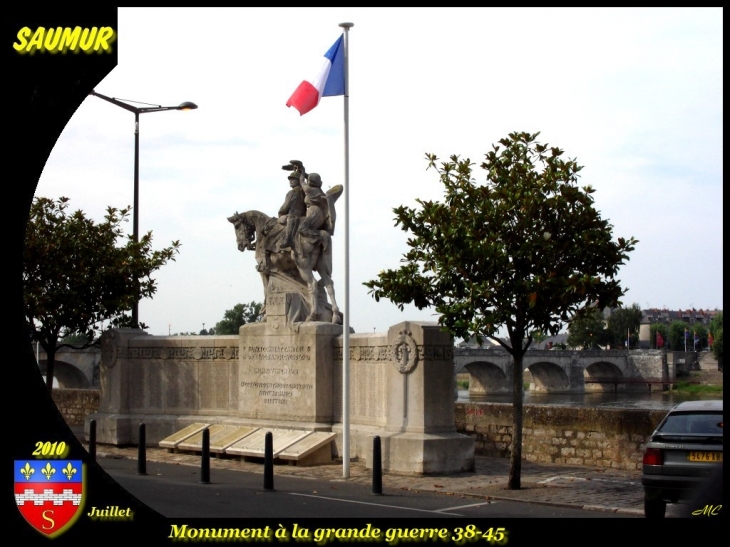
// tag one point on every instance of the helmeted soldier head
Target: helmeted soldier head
(294, 179)
(315, 180)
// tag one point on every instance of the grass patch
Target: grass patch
(687, 387)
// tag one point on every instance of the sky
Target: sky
(634, 95)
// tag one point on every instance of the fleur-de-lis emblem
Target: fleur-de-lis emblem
(27, 471)
(48, 471)
(69, 471)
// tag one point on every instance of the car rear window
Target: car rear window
(701, 423)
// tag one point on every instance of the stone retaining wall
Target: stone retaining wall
(76, 404)
(576, 436)
(609, 438)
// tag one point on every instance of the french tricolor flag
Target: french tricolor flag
(328, 82)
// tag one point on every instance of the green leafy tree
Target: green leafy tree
(716, 331)
(241, 314)
(524, 251)
(76, 340)
(662, 329)
(623, 323)
(588, 331)
(538, 337)
(716, 323)
(80, 276)
(717, 347)
(677, 331)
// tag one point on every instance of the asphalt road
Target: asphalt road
(175, 491)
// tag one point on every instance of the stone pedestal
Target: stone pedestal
(285, 373)
(402, 390)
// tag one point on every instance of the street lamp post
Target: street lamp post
(187, 105)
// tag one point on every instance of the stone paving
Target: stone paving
(589, 488)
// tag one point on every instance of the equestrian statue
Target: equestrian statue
(290, 247)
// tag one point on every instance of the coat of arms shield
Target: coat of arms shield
(49, 493)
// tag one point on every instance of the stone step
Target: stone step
(707, 361)
(710, 377)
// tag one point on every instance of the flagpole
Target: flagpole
(346, 319)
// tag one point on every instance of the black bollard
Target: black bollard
(377, 467)
(92, 440)
(142, 451)
(269, 461)
(205, 458)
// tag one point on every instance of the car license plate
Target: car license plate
(705, 456)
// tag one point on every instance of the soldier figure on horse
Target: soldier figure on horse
(298, 241)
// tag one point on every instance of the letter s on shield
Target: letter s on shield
(49, 493)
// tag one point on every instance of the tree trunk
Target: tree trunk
(50, 365)
(515, 458)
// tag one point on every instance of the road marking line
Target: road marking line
(440, 511)
(463, 507)
(585, 479)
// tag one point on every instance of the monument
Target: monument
(285, 373)
(289, 248)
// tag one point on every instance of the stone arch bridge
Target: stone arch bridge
(549, 371)
(564, 371)
(73, 368)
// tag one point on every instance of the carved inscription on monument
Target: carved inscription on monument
(274, 373)
(276, 304)
(369, 401)
(276, 393)
(277, 353)
(180, 353)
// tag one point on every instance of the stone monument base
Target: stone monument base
(412, 453)
(289, 377)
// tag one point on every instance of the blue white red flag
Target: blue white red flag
(328, 81)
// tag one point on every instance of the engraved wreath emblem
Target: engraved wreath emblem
(404, 352)
(108, 349)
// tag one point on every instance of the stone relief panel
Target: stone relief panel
(179, 354)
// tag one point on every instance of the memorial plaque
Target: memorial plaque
(227, 436)
(176, 438)
(305, 446)
(195, 441)
(254, 444)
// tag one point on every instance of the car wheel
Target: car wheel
(654, 509)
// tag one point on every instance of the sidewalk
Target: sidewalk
(579, 487)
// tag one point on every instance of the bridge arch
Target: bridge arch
(603, 377)
(487, 378)
(565, 371)
(548, 377)
(67, 375)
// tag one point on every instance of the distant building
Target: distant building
(486, 343)
(664, 316)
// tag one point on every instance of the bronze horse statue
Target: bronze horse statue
(311, 252)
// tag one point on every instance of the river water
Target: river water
(659, 400)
